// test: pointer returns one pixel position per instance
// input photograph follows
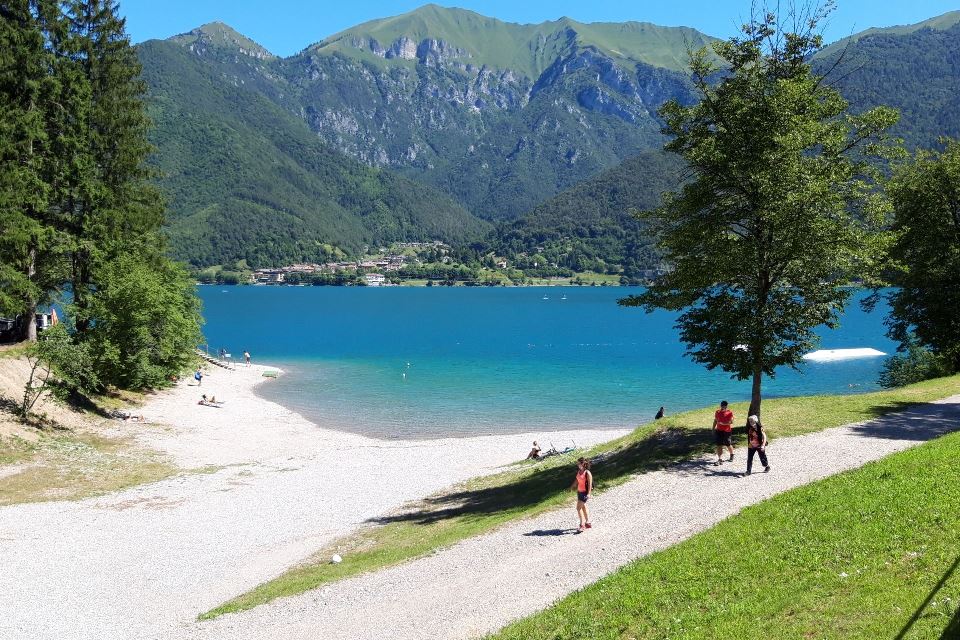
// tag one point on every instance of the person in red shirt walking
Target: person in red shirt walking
(722, 431)
(583, 484)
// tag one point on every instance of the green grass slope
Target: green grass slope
(248, 180)
(525, 48)
(871, 553)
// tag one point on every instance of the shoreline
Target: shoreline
(356, 430)
(261, 489)
(196, 429)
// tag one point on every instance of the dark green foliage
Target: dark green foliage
(915, 364)
(112, 209)
(925, 255)
(28, 237)
(591, 226)
(77, 204)
(917, 72)
(147, 322)
(778, 216)
(59, 364)
(248, 180)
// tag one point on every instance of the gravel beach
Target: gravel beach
(480, 585)
(263, 488)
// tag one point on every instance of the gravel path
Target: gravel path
(482, 584)
(272, 489)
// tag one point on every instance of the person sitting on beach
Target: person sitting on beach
(127, 416)
(209, 402)
(659, 414)
(534, 452)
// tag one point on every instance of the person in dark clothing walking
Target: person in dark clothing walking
(756, 443)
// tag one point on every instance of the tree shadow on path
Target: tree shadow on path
(679, 448)
(915, 422)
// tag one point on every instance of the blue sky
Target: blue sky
(287, 26)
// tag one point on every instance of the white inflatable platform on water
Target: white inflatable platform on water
(832, 355)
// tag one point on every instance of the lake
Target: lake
(403, 362)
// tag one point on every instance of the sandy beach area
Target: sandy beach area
(262, 488)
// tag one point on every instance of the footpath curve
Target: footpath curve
(481, 584)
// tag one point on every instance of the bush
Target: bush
(916, 364)
(147, 323)
(57, 364)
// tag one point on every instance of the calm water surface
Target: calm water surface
(423, 362)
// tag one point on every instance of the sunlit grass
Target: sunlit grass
(871, 553)
(480, 505)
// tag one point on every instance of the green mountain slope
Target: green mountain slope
(526, 49)
(940, 23)
(591, 225)
(499, 117)
(248, 180)
(915, 69)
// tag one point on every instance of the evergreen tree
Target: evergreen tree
(112, 208)
(778, 216)
(28, 239)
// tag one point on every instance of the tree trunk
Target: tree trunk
(755, 392)
(28, 321)
(80, 301)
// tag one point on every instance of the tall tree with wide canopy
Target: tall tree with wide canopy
(925, 255)
(780, 211)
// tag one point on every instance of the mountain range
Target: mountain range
(445, 124)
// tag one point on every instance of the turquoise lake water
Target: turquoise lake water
(426, 362)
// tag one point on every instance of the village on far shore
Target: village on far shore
(431, 263)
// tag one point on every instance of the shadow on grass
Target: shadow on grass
(952, 632)
(954, 624)
(656, 450)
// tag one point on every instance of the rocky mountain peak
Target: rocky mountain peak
(220, 37)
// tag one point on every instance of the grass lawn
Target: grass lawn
(870, 553)
(74, 466)
(529, 488)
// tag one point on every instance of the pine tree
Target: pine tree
(28, 240)
(112, 208)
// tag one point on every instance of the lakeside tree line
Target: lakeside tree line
(80, 221)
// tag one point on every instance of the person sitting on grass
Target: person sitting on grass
(534, 452)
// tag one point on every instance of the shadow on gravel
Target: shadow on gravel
(924, 422)
(551, 532)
